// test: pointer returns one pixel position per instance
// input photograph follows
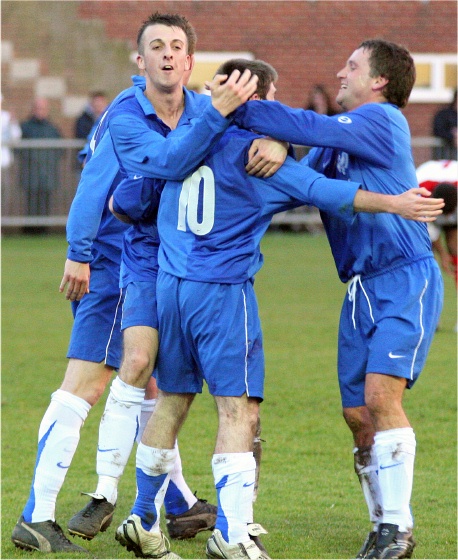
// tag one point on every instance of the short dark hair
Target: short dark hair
(170, 20)
(449, 192)
(265, 72)
(395, 63)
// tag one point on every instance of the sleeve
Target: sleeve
(87, 207)
(146, 152)
(137, 197)
(365, 132)
(295, 184)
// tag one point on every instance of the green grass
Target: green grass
(309, 498)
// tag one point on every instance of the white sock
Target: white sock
(153, 467)
(148, 406)
(178, 498)
(395, 451)
(234, 475)
(58, 439)
(117, 432)
(366, 467)
(178, 492)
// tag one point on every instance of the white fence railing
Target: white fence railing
(39, 185)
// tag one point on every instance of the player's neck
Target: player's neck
(169, 105)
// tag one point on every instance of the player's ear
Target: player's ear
(140, 62)
(380, 82)
(254, 97)
(187, 71)
(189, 63)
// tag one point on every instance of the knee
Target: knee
(86, 380)
(137, 365)
(360, 423)
(379, 403)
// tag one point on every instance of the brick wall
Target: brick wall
(88, 43)
(306, 41)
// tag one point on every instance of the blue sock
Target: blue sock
(149, 487)
(174, 502)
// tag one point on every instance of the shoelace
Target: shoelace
(92, 506)
(60, 533)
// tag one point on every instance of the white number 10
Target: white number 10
(188, 204)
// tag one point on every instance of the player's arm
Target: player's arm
(87, 207)
(121, 216)
(364, 132)
(146, 152)
(296, 184)
(410, 204)
(136, 199)
(445, 258)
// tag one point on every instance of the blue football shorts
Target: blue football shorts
(96, 333)
(387, 325)
(209, 331)
(139, 308)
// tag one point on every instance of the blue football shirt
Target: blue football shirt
(370, 145)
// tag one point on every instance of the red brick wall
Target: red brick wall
(307, 41)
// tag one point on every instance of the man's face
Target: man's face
(99, 104)
(164, 59)
(41, 109)
(356, 84)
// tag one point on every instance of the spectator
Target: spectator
(320, 101)
(97, 104)
(444, 127)
(39, 166)
(441, 178)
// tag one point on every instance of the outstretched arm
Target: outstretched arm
(410, 205)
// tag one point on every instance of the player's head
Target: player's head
(169, 20)
(393, 62)
(448, 192)
(376, 72)
(267, 75)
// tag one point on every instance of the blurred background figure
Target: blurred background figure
(96, 106)
(11, 131)
(443, 231)
(441, 178)
(39, 166)
(320, 101)
(445, 128)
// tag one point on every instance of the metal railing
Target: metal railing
(39, 186)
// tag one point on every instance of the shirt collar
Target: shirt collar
(191, 108)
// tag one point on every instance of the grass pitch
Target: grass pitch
(309, 500)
